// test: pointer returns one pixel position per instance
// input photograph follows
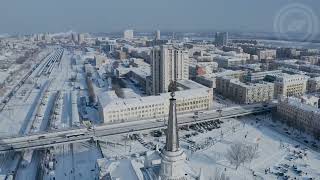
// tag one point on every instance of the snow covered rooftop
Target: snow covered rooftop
(119, 103)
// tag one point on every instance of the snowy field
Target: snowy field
(278, 155)
(77, 161)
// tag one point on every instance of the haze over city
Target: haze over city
(36, 16)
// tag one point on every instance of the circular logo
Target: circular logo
(296, 22)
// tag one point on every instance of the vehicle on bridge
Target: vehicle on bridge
(74, 135)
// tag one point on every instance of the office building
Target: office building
(169, 62)
(221, 38)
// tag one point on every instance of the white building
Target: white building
(290, 85)
(128, 34)
(169, 62)
(169, 164)
(117, 110)
(267, 54)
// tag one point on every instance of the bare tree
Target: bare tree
(236, 154)
(239, 153)
(252, 152)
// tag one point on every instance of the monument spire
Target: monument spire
(172, 138)
(172, 157)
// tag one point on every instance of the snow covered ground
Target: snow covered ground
(77, 161)
(29, 110)
(270, 154)
(276, 150)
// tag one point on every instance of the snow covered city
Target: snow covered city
(160, 90)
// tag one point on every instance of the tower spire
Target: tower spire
(173, 158)
(172, 139)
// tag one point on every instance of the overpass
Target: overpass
(59, 137)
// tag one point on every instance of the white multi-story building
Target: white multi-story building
(117, 110)
(128, 34)
(290, 85)
(158, 35)
(245, 93)
(299, 115)
(169, 62)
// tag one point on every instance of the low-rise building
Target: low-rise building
(137, 72)
(267, 54)
(299, 115)
(311, 59)
(245, 93)
(313, 85)
(209, 80)
(230, 62)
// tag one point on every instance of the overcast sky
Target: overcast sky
(31, 16)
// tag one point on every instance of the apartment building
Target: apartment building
(290, 85)
(244, 93)
(299, 115)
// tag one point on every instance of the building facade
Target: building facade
(243, 93)
(230, 62)
(267, 54)
(290, 85)
(168, 63)
(299, 115)
(122, 110)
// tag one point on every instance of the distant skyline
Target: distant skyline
(35, 16)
